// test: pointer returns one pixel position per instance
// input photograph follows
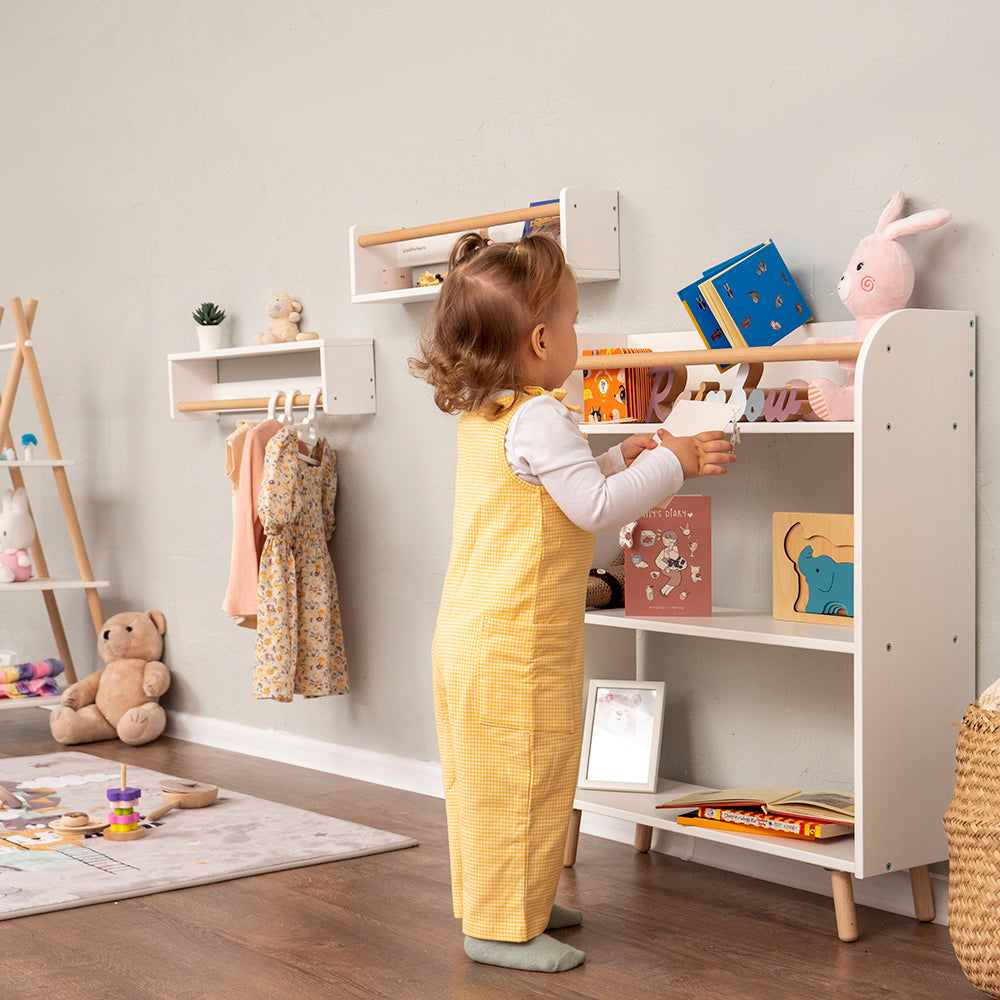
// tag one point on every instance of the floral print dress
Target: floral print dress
(300, 641)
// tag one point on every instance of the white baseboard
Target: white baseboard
(890, 892)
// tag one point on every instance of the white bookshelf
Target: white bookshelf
(911, 650)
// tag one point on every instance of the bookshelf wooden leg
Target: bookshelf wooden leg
(572, 839)
(843, 906)
(923, 895)
(643, 838)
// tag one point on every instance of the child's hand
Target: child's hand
(634, 446)
(705, 454)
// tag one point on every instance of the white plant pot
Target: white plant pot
(209, 337)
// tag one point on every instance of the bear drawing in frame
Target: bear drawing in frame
(813, 568)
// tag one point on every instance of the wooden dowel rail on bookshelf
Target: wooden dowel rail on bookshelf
(473, 222)
(848, 351)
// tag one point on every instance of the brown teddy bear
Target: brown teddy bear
(121, 699)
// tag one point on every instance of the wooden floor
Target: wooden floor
(382, 927)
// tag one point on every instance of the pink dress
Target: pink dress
(240, 602)
(300, 641)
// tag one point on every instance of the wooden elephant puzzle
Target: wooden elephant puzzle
(813, 568)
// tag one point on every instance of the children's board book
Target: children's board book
(611, 394)
(755, 299)
(668, 560)
(758, 822)
(705, 321)
(550, 224)
(829, 806)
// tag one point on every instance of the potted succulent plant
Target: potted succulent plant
(209, 318)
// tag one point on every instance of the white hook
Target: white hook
(310, 421)
(290, 395)
(272, 403)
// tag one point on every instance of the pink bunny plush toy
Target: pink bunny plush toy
(878, 280)
(17, 535)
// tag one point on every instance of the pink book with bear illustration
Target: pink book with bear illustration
(668, 560)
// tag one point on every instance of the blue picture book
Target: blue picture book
(705, 321)
(754, 298)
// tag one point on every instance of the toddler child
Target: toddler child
(508, 648)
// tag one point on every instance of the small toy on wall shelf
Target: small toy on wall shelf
(285, 315)
(121, 699)
(29, 443)
(878, 280)
(17, 535)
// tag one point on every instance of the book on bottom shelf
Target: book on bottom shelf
(668, 560)
(828, 806)
(759, 822)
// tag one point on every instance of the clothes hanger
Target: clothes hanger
(290, 395)
(309, 424)
(290, 422)
(272, 402)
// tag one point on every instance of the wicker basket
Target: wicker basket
(972, 825)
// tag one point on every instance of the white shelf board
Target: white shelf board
(640, 807)
(53, 583)
(756, 427)
(735, 625)
(421, 294)
(45, 463)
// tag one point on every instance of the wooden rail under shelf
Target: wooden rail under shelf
(846, 351)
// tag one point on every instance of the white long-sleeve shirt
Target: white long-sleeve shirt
(544, 446)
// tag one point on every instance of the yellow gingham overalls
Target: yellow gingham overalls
(508, 681)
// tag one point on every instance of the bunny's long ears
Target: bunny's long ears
(891, 211)
(892, 227)
(919, 223)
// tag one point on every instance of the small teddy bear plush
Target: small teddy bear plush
(17, 535)
(120, 699)
(285, 314)
(606, 586)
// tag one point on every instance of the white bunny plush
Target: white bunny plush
(878, 280)
(17, 535)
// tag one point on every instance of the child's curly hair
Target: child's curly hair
(493, 296)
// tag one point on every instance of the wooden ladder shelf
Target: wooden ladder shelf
(23, 361)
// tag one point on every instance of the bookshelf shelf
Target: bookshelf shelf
(640, 807)
(911, 650)
(738, 626)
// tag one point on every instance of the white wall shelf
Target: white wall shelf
(52, 583)
(911, 650)
(241, 379)
(589, 228)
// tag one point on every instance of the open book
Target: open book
(822, 805)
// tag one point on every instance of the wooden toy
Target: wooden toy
(77, 822)
(123, 817)
(181, 794)
(813, 568)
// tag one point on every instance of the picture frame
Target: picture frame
(622, 733)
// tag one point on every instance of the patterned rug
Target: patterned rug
(50, 868)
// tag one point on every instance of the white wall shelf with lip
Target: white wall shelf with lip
(242, 379)
(912, 648)
(589, 229)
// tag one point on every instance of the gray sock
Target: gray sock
(563, 916)
(540, 954)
